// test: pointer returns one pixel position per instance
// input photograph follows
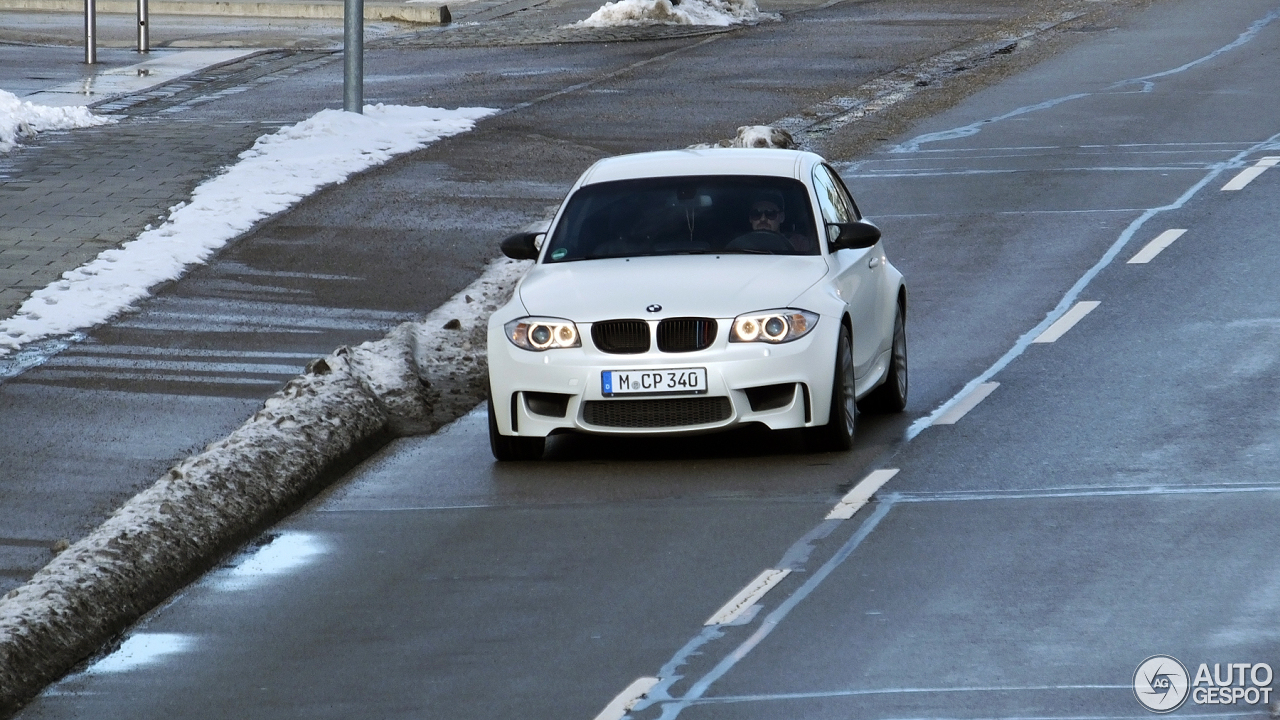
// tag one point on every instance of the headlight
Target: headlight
(773, 326)
(538, 334)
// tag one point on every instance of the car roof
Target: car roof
(702, 161)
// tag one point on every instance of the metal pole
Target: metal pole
(90, 32)
(144, 29)
(353, 56)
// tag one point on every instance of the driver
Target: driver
(767, 214)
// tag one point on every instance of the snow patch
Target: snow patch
(20, 118)
(278, 171)
(687, 12)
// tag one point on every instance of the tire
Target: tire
(891, 396)
(510, 447)
(837, 435)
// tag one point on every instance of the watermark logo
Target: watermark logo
(1231, 683)
(1160, 683)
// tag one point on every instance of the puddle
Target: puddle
(287, 553)
(141, 650)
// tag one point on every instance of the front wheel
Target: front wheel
(842, 422)
(509, 447)
(891, 396)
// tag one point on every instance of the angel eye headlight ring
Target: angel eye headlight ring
(538, 334)
(773, 326)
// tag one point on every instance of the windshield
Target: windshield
(685, 215)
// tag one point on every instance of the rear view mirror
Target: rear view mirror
(853, 235)
(521, 246)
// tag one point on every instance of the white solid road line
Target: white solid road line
(627, 699)
(1153, 248)
(747, 597)
(1249, 174)
(1067, 321)
(860, 494)
(970, 401)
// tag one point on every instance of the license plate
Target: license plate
(679, 381)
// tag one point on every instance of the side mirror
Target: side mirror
(854, 235)
(521, 246)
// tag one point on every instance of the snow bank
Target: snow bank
(763, 136)
(168, 533)
(664, 12)
(419, 377)
(19, 119)
(755, 136)
(278, 171)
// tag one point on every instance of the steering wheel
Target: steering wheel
(761, 240)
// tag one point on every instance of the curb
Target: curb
(419, 377)
(404, 12)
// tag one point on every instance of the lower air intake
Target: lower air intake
(674, 412)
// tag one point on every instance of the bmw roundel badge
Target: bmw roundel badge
(654, 308)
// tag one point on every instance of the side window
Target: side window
(832, 201)
(844, 192)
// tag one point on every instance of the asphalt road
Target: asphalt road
(145, 391)
(1111, 499)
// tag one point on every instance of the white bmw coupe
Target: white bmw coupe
(694, 291)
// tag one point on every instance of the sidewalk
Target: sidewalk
(67, 196)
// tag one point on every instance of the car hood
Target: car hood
(720, 286)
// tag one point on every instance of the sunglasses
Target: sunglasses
(757, 214)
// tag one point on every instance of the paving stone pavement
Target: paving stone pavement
(71, 195)
(67, 196)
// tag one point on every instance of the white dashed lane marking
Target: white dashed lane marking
(1067, 321)
(747, 597)
(1153, 248)
(970, 401)
(860, 494)
(627, 699)
(1250, 174)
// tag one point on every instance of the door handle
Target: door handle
(873, 262)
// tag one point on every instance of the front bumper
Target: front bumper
(536, 394)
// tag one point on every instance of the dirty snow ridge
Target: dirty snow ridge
(20, 118)
(278, 171)
(687, 12)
